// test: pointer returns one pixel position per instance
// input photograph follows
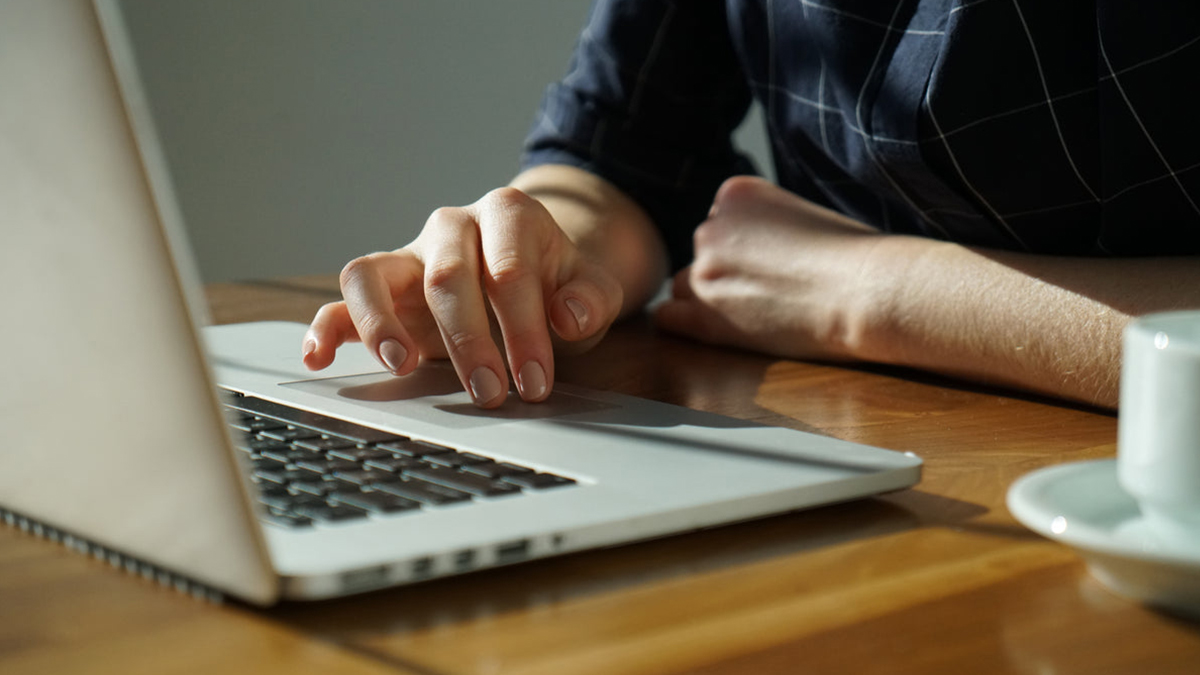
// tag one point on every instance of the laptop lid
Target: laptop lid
(108, 419)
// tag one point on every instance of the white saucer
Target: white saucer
(1082, 505)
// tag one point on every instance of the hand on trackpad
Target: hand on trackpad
(433, 390)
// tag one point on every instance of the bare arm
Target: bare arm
(1042, 323)
(778, 274)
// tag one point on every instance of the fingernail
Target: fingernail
(532, 381)
(485, 386)
(310, 346)
(393, 354)
(580, 311)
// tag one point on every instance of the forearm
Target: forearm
(1042, 323)
(605, 224)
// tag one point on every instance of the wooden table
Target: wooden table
(938, 579)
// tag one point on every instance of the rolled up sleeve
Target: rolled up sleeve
(652, 96)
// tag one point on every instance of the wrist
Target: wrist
(879, 318)
(605, 225)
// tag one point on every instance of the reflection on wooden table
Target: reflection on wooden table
(937, 579)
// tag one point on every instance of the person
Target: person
(987, 189)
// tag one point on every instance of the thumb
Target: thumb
(583, 308)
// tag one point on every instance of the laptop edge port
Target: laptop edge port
(422, 567)
(465, 559)
(512, 551)
(365, 579)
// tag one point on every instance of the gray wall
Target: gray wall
(302, 133)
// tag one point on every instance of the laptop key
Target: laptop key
(282, 475)
(284, 519)
(326, 513)
(363, 478)
(374, 502)
(290, 455)
(494, 470)
(426, 493)
(326, 466)
(537, 481)
(258, 445)
(290, 502)
(325, 444)
(467, 482)
(272, 489)
(266, 464)
(319, 488)
(290, 434)
(455, 459)
(411, 448)
(359, 454)
(360, 434)
(392, 464)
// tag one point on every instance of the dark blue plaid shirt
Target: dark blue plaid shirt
(1054, 126)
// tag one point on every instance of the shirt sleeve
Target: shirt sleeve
(650, 101)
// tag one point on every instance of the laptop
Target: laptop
(210, 459)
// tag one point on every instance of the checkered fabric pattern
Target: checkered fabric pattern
(1051, 126)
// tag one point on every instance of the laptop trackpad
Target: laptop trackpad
(432, 393)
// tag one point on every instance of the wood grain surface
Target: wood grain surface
(936, 579)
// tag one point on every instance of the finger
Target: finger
(583, 308)
(370, 285)
(455, 299)
(331, 328)
(681, 285)
(512, 228)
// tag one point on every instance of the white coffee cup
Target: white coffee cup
(1158, 437)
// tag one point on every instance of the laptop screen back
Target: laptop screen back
(109, 426)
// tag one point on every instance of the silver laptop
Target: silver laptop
(211, 459)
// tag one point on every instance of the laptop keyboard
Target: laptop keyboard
(310, 468)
